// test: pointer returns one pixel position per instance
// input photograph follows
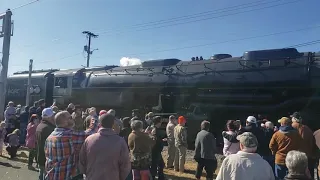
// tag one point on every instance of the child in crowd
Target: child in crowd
(13, 140)
(3, 133)
(31, 139)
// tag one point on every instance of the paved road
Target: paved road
(15, 170)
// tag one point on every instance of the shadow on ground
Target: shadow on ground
(9, 165)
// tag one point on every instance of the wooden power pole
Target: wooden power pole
(88, 47)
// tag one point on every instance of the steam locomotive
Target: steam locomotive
(271, 82)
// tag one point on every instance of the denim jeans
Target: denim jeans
(42, 173)
(280, 171)
(23, 133)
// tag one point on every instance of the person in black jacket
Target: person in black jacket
(44, 129)
(157, 160)
(24, 118)
(126, 130)
(266, 152)
(33, 109)
(251, 126)
(41, 106)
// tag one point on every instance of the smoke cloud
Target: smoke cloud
(127, 61)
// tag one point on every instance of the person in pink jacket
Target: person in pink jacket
(31, 139)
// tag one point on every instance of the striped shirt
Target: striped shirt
(62, 149)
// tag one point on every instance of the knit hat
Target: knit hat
(181, 120)
(102, 112)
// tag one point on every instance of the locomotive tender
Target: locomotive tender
(272, 82)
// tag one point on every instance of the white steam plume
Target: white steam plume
(126, 61)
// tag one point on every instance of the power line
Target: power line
(205, 19)
(187, 16)
(227, 9)
(23, 5)
(40, 62)
(227, 41)
(309, 43)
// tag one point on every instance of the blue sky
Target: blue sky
(48, 31)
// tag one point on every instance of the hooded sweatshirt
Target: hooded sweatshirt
(283, 141)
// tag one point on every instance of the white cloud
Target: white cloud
(127, 61)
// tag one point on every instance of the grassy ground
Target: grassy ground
(189, 174)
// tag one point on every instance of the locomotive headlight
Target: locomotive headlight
(37, 90)
(31, 90)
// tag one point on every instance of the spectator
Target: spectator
(13, 141)
(157, 163)
(99, 161)
(41, 106)
(31, 139)
(297, 164)
(317, 141)
(62, 148)
(172, 155)
(180, 137)
(71, 108)
(18, 110)
(77, 118)
(93, 119)
(251, 126)
(24, 118)
(308, 139)
(230, 147)
(205, 149)
(43, 130)
(283, 141)
(140, 145)
(33, 109)
(126, 130)
(246, 164)
(149, 118)
(266, 152)
(10, 117)
(117, 126)
(55, 109)
(3, 133)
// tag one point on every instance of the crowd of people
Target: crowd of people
(73, 144)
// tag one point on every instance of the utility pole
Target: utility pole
(87, 48)
(6, 34)
(29, 83)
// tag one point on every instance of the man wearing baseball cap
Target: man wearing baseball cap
(283, 141)
(309, 145)
(44, 129)
(251, 126)
(246, 164)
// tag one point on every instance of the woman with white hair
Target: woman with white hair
(268, 133)
(297, 164)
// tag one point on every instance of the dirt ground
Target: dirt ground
(190, 167)
(189, 174)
